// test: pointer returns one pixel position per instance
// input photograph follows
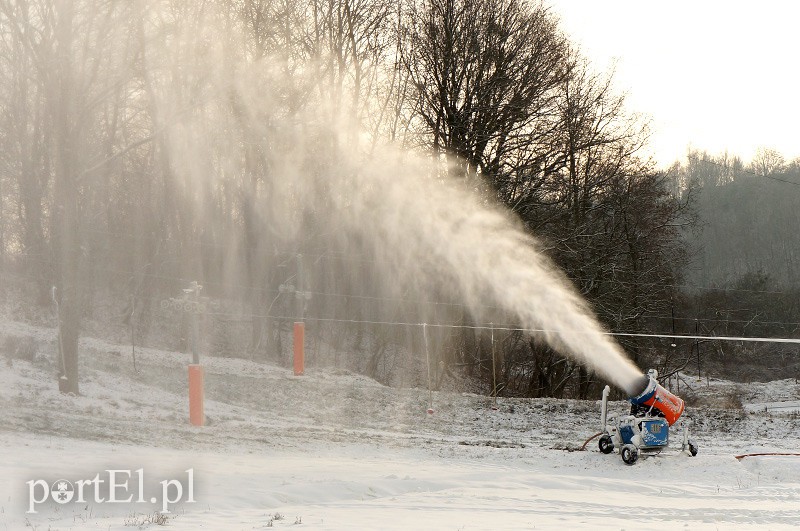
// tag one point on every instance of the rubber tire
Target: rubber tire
(606, 444)
(692, 448)
(630, 454)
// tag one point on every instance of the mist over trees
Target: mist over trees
(132, 163)
(750, 217)
(742, 279)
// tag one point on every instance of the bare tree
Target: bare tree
(71, 56)
(26, 158)
(767, 161)
(485, 72)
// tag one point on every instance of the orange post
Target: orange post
(196, 413)
(299, 353)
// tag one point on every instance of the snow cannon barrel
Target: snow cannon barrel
(654, 396)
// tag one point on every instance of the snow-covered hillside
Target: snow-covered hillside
(334, 450)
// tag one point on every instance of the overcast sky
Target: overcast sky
(712, 74)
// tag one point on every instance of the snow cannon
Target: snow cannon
(654, 400)
(645, 431)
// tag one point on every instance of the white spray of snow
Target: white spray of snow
(441, 226)
(428, 233)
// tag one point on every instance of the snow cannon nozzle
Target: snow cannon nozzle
(656, 400)
(641, 384)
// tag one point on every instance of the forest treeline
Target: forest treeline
(133, 162)
(742, 278)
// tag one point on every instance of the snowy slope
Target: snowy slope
(334, 450)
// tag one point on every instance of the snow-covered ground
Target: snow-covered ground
(335, 450)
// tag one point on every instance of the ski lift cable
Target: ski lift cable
(531, 330)
(710, 338)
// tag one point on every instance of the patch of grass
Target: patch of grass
(731, 400)
(277, 517)
(20, 348)
(147, 519)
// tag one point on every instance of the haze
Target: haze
(715, 76)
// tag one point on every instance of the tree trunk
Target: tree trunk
(66, 244)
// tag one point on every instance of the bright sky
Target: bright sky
(715, 75)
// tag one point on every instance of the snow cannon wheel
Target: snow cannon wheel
(692, 448)
(606, 444)
(630, 454)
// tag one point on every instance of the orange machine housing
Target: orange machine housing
(657, 397)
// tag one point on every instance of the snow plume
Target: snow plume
(480, 253)
(424, 232)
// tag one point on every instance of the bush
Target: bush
(20, 348)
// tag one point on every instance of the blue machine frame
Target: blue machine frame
(633, 436)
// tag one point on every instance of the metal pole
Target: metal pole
(133, 337)
(494, 373)
(697, 332)
(300, 290)
(299, 348)
(604, 408)
(428, 360)
(60, 341)
(195, 324)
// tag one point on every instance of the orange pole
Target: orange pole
(196, 413)
(299, 354)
